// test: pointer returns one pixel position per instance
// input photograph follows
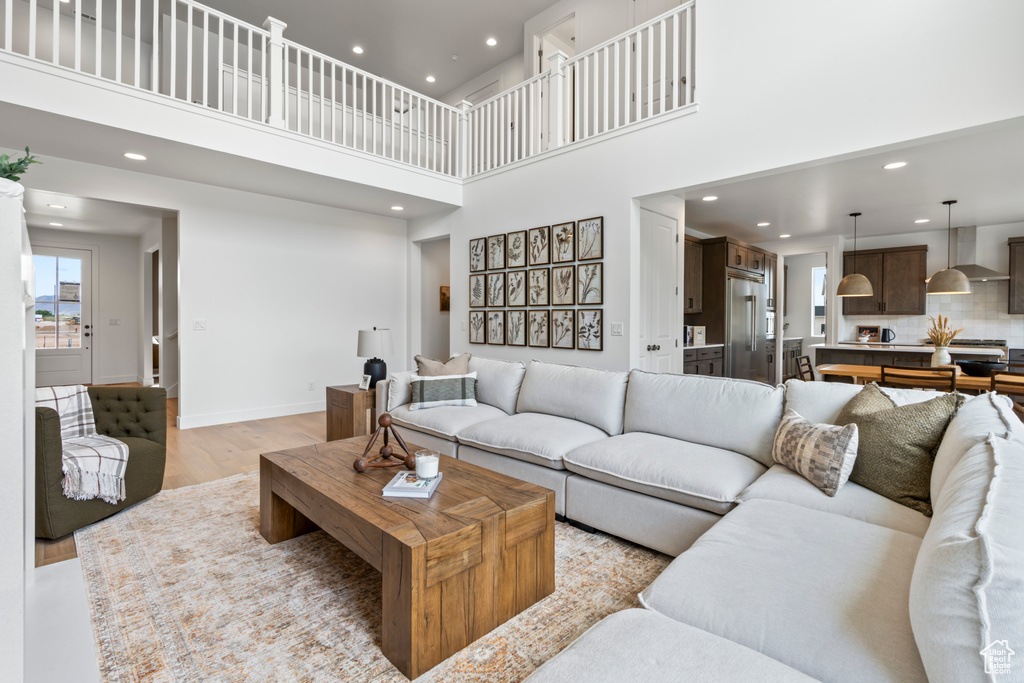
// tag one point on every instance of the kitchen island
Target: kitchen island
(874, 353)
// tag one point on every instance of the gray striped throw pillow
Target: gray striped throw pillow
(444, 390)
(823, 454)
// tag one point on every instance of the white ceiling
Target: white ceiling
(983, 170)
(89, 215)
(403, 40)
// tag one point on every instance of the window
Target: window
(58, 306)
(818, 299)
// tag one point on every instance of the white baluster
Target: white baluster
(32, 29)
(690, 53)
(154, 61)
(8, 24)
(188, 55)
(277, 88)
(118, 38)
(55, 25)
(137, 80)
(676, 85)
(174, 46)
(662, 65)
(650, 72)
(248, 75)
(206, 59)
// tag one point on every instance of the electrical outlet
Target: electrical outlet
(310, 385)
(199, 324)
(616, 329)
(115, 322)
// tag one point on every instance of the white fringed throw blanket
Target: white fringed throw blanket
(93, 464)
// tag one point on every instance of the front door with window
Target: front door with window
(63, 316)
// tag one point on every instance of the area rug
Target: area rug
(183, 588)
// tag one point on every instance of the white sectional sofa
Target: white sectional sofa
(773, 579)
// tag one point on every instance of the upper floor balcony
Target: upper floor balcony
(188, 54)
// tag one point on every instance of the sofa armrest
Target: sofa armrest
(131, 411)
(49, 450)
(382, 396)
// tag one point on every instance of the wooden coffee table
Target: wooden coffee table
(454, 566)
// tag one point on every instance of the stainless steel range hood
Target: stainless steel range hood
(964, 253)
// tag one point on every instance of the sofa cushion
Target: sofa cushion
(823, 401)
(691, 474)
(745, 414)
(640, 645)
(853, 500)
(898, 443)
(531, 437)
(979, 417)
(456, 365)
(967, 591)
(444, 422)
(585, 394)
(824, 594)
(498, 382)
(400, 389)
(823, 454)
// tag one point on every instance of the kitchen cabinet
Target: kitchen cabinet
(745, 258)
(693, 273)
(771, 267)
(791, 350)
(897, 279)
(708, 361)
(1016, 245)
(882, 356)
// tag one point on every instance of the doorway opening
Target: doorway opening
(63, 316)
(561, 36)
(435, 298)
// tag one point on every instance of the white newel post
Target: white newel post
(557, 103)
(276, 96)
(463, 138)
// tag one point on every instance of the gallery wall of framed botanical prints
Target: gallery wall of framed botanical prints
(541, 287)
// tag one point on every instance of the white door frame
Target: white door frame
(94, 293)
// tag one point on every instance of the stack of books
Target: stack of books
(408, 485)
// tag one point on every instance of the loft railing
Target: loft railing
(187, 51)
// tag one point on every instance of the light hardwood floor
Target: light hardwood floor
(199, 455)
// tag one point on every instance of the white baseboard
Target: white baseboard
(210, 419)
(116, 379)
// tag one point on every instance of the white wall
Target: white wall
(798, 309)
(115, 349)
(169, 320)
(284, 286)
(435, 270)
(507, 75)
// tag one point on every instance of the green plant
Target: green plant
(13, 170)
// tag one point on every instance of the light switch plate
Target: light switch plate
(616, 329)
(462, 325)
(115, 322)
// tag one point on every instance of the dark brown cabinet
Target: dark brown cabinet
(1016, 274)
(897, 277)
(693, 273)
(704, 361)
(791, 350)
(737, 256)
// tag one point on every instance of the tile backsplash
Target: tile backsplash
(982, 314)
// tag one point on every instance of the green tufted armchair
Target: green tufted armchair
(134, 415)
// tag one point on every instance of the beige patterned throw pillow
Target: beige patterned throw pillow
(823, 454)
(457, 365)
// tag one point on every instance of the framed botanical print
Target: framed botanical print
(539, 332)
(478, 255)
(516, 250)
(563, 333)
(539, 291)
(589, 327)
(496, 290)
(515, 331)
(515, 289)
(540, 246)
(496, 327)
(477, 291)
(477, 327)
(563, 243)
(563, 285)
(495, 252)
(589, 284)
(590, 239)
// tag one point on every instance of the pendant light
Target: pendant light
(950, 280)
(855, 284)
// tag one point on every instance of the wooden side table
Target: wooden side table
(351, 411)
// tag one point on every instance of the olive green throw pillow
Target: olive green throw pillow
(897, 444)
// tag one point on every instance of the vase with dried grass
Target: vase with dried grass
(941, 334)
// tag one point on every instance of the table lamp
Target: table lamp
(375, 343)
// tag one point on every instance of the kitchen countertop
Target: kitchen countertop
(702, 346)
(920, 348)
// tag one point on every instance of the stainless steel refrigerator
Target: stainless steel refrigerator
(746, 336)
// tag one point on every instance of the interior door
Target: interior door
(63, 316)
(659, 264)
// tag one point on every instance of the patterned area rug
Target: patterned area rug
(183, 588)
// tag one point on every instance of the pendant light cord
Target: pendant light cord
(949, 234)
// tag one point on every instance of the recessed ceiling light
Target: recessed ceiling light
(57, 206)
(923, 220)
(134, 156)
(358, 50)
(398, 207)
(782, 237)
(430, 79)
(57, 225)
(710, 198)
(894, 165)
(492, 42)
(763, 225)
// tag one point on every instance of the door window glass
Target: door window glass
(58, 306)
